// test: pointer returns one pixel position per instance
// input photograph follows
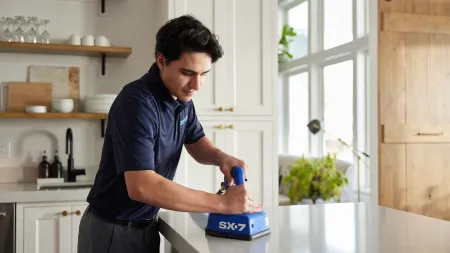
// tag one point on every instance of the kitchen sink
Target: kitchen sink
(67, 186)
(63, 187)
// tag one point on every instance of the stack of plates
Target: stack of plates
(100, 103)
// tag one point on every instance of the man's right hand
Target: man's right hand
(238, 200)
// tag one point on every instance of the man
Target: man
(148, 124)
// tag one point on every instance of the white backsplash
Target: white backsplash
(29, 137)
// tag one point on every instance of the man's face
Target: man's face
(185, 76)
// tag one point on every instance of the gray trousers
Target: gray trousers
(99, 236)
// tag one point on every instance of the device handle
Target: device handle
(238, 174)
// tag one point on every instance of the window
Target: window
(298, 113)
(338, 109)
(338, 22)
(298, 19)
(326, 79)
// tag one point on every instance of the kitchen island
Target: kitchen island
(337, 228)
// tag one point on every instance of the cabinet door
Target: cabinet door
(44, 229)
(252, 142)
(242, 79)
(197, 176)
(211, 95)
(248, 56)
(77, 213)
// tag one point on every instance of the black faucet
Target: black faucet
(72, 173)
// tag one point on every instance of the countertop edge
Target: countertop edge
(29, 193)
(44, 196)
(172, 236)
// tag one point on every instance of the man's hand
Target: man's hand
(227, 162)
(238, 200)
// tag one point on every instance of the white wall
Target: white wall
(125, 23)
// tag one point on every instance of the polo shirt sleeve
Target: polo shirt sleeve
(194, 129)
(133, 134)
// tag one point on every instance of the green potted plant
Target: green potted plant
(283, 52)
(315, 178)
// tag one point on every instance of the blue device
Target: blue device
(246, 226)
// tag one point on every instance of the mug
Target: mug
(102, 41)
(87, 40)
(74, 39)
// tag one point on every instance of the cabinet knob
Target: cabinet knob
(220, 109)
(64, 213)
(220, 126)
(230, 126)
(78, 212)
(231, 109)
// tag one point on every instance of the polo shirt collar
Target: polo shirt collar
(163, 93)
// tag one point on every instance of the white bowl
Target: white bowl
(102, 96)
(97, 108)
(36, 109)
(63, 105)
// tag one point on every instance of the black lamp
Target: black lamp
(314, 127)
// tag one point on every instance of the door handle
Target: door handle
(230, 126)
(220, 126)
(2, 214)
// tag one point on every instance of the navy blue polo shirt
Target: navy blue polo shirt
(146, 130)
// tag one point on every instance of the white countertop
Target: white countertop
(28, 192)
(337, 228)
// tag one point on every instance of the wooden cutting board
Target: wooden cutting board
(65, 81)
(22, 94)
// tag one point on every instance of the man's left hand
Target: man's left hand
(228, 162)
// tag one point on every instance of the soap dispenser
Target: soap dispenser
(44, 167)
(56, 168)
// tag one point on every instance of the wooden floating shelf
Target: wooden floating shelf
(53, 115)
(64, 49)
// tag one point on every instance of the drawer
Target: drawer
(415, 133)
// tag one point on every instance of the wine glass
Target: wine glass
(45, 36)
(19, 34)
(32, 34)
(7, 34)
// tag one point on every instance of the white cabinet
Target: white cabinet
(250, 141)
(243, 79)
(48, 227)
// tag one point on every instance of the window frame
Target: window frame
(314, 62)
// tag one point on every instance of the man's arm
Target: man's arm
(134, 128)
(197, 144)
(148, 187)
(205, 152)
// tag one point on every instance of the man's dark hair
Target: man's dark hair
(186, 34)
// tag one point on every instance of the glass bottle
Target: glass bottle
(44, 167)
(56, 168)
